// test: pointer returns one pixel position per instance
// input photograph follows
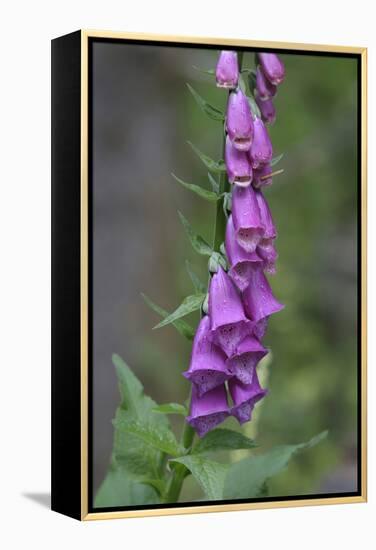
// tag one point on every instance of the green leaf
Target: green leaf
(171, 408)
(212, 112)
(188, 305)
(214, 166)
(198, 285)
(133, 459)
(209, 474)
(247, 477)
(222, 439)
(200, 191)
(130, 453)
(199, 244)
(210, 72)
(181, 326)
(160, 437)
(275, 160)
(119, 489)
(214, 183)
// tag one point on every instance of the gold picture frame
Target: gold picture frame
(84, 513)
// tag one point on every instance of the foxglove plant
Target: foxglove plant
(235, 309)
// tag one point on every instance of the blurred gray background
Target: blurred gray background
(143, 115)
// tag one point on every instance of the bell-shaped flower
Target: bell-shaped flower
(265, 89)
(272, 67)
(259, 329)
(239, 169)
(245, 397)
(209, 410)
(207, 368)
(261, 150)
(229, 324)
(267, 110)
(258, 298)
(246, 218)
(248, 354)
(270, 231)
(227, 70)
(262, 176)
(239, 122)
(241, 262)
(266, 250)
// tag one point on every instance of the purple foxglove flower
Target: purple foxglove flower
(272, 67)
(246, 218)
(239, 123)
(259, 328)
(265, 89)
(258, 298)
(261, 150)
(260, 178)
(265, 248)
(248, 354)
(241, 262)
(267, 110)
(266, 217)
(269, 255)
(229, 324)
(207, 369)
(239, 169)
(208, 410)
(227, 71)
(245, 397)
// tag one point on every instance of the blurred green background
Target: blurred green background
(143, 115)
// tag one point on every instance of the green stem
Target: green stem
(180, 471)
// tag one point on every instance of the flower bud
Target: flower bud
(246, 218)
(260, 178)
(209, 410)
(265, 90)
(239, 169)
(227, 70)
(239, 123)
(245, 397)
(207, 368)
(241, 262)
(258, 298)
(273, 68)
(267, 110)
(248, 354)
(229, 325)
(261, 150)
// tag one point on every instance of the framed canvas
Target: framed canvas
(208, 275)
